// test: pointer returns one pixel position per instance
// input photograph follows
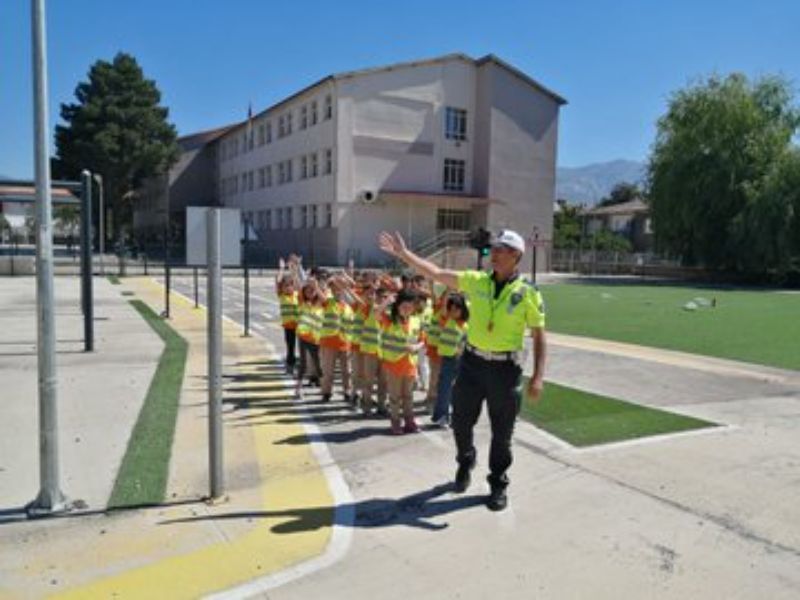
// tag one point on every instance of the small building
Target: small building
(628, 219)
(17, 205)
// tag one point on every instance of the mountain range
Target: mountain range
(590, 183)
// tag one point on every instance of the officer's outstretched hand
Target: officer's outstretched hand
(393, 244)
(535, 386)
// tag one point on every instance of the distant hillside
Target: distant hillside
(588, 184)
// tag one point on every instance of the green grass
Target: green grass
(584, 419)
(114, 279)
(760, 327)
(142, 477)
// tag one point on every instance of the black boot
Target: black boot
(498, 499)
(463, 474)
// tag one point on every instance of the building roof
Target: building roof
(27, 194)
(489, 58)
(626, 208)
(201, 138)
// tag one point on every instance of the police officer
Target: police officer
(502, 306)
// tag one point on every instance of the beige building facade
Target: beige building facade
(426, 148)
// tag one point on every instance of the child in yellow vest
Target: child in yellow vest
(401, 339)
(450, 344)
(308, 331)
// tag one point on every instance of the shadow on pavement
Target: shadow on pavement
(414, 510)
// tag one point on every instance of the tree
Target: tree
(117, 129)
(5, 228)
(608, 241)
(720, 172)
(68, 218)
(566, 227)
(621, 193)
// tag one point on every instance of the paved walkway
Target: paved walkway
(325, 504)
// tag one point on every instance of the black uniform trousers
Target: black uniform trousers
(290, 337)
(498, 383)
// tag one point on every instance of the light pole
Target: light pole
(50, 498)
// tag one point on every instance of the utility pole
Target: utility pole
(50, 499)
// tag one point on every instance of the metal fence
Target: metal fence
(594, 262)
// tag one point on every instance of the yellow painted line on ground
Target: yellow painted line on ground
(675, 358)
(293, 523)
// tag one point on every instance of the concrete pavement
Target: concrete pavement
(711, 514)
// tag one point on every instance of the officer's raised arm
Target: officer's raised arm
(395, 245)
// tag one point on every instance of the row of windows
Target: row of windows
(307, 216)
(278, 174)
(261, 134)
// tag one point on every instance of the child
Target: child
(452, 335)
(308, 330)
(372, 376)
(400, 341)
(334, 344)
(287, 296)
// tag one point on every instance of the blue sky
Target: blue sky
(616, 62)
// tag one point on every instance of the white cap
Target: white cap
(511, 239)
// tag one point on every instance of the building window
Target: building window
(313, 216)
(288, 217)
(329, 215)
(235, 184)
(267, 219)
(313, 112)
(328, 107)
(314, 164)
(303, 117)
(281, 126)
(455, 124)
(244, 182)
(250, 180)
(262, 178)
(224, 151)
(281, 173)
(304, 217)
(328, 162)
(303, 167)
(289, 170)
(261, 135)
(268, 171)
(454, 220)
(269, 132)
(289, 123)
(454, 175)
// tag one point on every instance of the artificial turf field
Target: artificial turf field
(761, 327)
(584, 419)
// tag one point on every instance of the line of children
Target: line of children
(374, 330)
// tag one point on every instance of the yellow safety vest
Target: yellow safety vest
(289, 308)
(333, 318)
(395, 340)
(370, 339)
(451, 337)
(498, 325)
(310, 323)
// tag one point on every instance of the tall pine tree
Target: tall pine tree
(116, 129)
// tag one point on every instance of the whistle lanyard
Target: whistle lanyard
(494, 303)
